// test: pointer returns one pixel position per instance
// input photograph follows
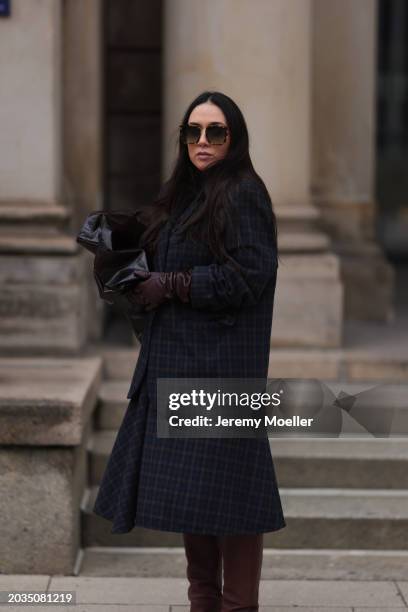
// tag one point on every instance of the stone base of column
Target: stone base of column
(308, 309)
(48, 300)
(367, 276)
(369, 282)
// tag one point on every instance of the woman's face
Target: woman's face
(204, 154)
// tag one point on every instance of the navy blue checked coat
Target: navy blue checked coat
(225, 331)
(201, 485)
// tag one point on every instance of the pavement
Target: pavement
(99, 594)
(161, 594)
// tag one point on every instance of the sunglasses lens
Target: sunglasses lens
(190, 134)
(216, 134)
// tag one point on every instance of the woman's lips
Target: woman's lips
(204, 155)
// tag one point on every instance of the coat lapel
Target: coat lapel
(179, 218)
(175, 219)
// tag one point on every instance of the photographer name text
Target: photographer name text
(274, 421)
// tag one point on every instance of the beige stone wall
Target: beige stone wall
(30, 143)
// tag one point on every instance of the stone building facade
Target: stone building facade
(91, 95)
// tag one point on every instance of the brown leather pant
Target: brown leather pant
(241, 557)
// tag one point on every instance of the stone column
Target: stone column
(260, 55)
(83, 106)
(30, 45)
(343, 169)
(83, 128)
(44, 275)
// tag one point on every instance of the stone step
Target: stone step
(333, 463)
(341, 463)
(316, 518)
(370, 363)
(278, 564)
(47, 402)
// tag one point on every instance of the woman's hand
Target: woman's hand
(160, 286)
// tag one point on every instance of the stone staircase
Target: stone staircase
(345, 499)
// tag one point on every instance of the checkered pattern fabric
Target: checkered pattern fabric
(201, 485)
(187, 485)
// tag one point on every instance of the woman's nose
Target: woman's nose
(203, 137)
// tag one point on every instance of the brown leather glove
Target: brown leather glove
(161, 286)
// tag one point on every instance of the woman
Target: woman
(212, 250)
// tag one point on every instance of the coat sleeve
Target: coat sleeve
(221, 286)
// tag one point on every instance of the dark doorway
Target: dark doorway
(133, 114)
(392, 128)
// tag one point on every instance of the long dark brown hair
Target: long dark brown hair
(214, 184)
